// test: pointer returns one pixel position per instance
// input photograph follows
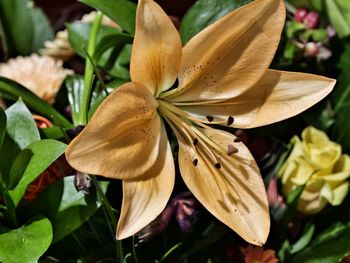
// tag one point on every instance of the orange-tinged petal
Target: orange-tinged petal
(227, 183)
(145, 199)
(232, 54)
(156, 52)
(277, 96)
(122, 138)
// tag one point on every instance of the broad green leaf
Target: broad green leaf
(75, 208)
(205, 12)
(8, 153)
(18, 167)
(75, 85)
(330, 247)
(3, 121)
(21, 126)
(67, 208)
(45, 152)
(25, 27)
(123, 12)
(12, 90)
(27, 243)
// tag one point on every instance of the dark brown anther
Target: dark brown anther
(195, 162)
(218, 165)
(231, 150)
(210, 118)
(195, 141)
(237, 139)
(230, 120)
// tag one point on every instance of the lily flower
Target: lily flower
(223, 78)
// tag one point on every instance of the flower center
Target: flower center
(190, 128)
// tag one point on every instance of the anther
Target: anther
(218, 165)
(231, 150)
(195, 141)
(195, 162)
(237, 139)
(210, 118)
(230, 120)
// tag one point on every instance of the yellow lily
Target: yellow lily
(223, 78)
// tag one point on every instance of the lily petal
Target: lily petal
(277, 96)
(232, 190)
(122, 139)
(156, 52)
(232, 54)
(144, 200)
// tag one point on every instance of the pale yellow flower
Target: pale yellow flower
(316, 163)
(60, 48)
(40, 74)
(223, 78)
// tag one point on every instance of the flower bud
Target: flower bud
(82, 182)
(311, 50)
(312, 20)
(300, 14)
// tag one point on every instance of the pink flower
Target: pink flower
(273, 197)
(258, 255)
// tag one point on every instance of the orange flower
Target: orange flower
(258, 255)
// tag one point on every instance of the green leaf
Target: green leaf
(123, 12)
(27, 243)
(341, 102)
(21, 126)
(110, 46)
(290, 51)
(75, 85)
(331, 246)
(205, 12)
(304, 240)
(12, 90)
(339, 14)
(25, 27)
(45, 152)
(3, 122)
(18, 167)
(292, 27)
(8, 153)
(75, 208)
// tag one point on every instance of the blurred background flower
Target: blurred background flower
(317, 164)
(40, 74)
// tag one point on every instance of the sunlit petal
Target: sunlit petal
(222, 174)
(122, 139)
(144, 200)
(232, 54)
(277, 96)
(156, 52)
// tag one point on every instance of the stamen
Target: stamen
(195, 162)
(218, 165)
(210, 118)
(231, 150)
(195, 141)
(237, 139)
(230, 120)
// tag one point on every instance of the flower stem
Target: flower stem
(89, 70)
(112, 217)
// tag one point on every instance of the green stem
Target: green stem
(107, 205)
(89, 70)
(134, 249)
